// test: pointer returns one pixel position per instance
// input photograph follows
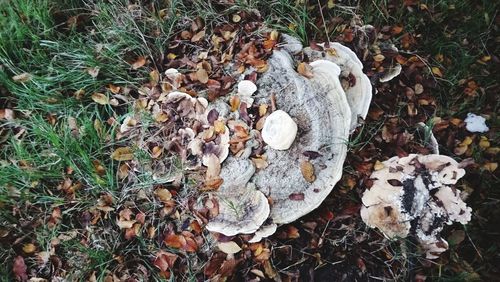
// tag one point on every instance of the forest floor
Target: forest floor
(86, 195)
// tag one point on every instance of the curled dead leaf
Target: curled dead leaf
(123, 154)
(140, 62)
(305, 69)
(100, 98)
(229, 247)
(307, 169)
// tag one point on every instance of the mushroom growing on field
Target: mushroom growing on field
(413, 195)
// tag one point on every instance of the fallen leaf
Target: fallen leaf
(163, 195)
(140, 62)
(29, 248)
(305, 69)
(307, 169)
(202, 75)
(122, 154)
(378, 58)
(94, 72)
(157, 151)
(23, 77)
(19, 269)
(229, 247)
(236, 18)
(491, 167)
(6, 114)
(437, 71)
(100, 98)
(164, 261)
(198, 36)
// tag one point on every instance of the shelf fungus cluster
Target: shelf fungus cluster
(287, 138)
(414, 195)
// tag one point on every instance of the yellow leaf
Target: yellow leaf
(157, 152)
(330, 4)
(436, 71)
(171, 56)
(378, 165)
(378, 58)
(236, 18)
(484, 143)
(491, 167)
(100, 98)
(122, 154)
(219, 126)
(29, 248)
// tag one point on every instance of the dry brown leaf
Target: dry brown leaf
(140, 62)
(100, 98)
(198, 36)
(307, 169)
(229, 247)
(163, 195)
(202, 75)
(94, 72)
(123, 154)
(157, 151)
(114, 89)
(305, 69)
(23, 77)
(234, 101)
(6, 114)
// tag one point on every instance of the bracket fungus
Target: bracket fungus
(298, 146)
(356, 84)
(413, 195)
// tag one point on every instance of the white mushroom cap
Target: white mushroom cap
(279, 130)
(246, 88)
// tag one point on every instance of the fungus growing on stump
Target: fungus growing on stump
(413, 196)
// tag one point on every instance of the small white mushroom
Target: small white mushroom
(246, 88)
(279, 130)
